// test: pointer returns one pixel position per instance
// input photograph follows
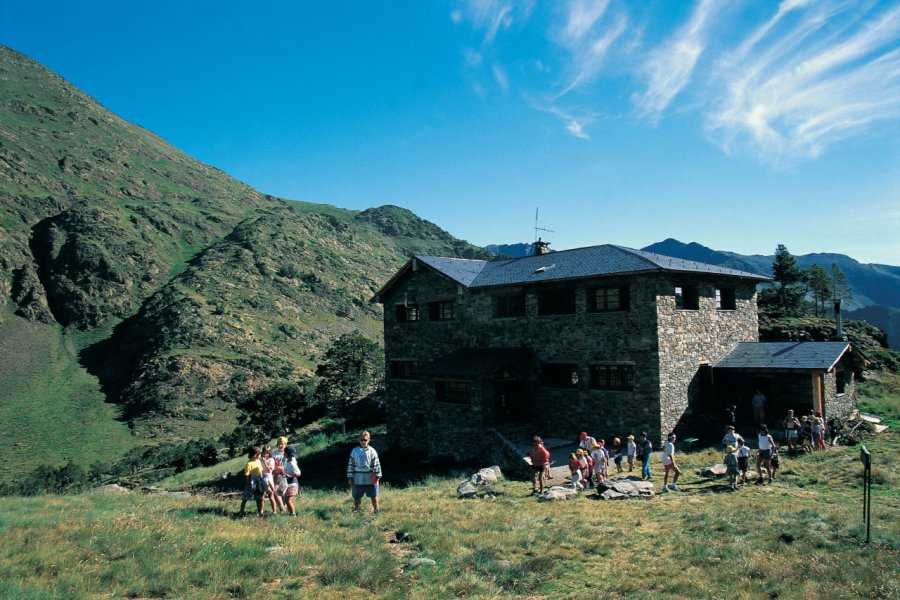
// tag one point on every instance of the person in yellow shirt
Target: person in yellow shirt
(254, 476)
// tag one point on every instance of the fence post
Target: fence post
(865, 457)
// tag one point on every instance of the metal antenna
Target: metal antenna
(536, 228)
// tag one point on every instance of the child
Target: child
(597, 456)
(278, 472)
(254, 485)
(617, 454)
(588, 472)
(743, 460)
(364, 473)
(819, 431)
(731, 466)
(645, 451)
(575, 470)
(605, 458)
(291, 473)
(268, 469)
(776, 461)
(630, 450)
(806, 433)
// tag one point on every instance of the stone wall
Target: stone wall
(631, 337)
(690, 338)
(839, 405)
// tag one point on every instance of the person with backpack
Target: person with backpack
(644, 451)
(364, 473)
(731, 466)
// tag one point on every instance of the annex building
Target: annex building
(604, 338)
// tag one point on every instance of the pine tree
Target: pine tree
(839, 286)
(787, 296)
(819, 284)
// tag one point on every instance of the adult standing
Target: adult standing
(540, 460)
(731, 437)
(585, 441)
(291, 475)
(644, 451)
(364, 472)
(278, 472)
(791, 431)
(759, 407)
(669, 465)
(764, 457)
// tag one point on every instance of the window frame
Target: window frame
(552, 298)
(454, 392)
(507, 300)
(560, 375)
(623, 298)
(687, 297)
(726, 298)
(611, 376)
(438, 310)
(405, 310)
(407, 372)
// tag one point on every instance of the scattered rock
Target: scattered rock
(112, 488)
(466, 490)
(275, 550)
(504, 564)
(619, 489)
(559, 492)
(479, 484)
(415, 562)
(714, 471)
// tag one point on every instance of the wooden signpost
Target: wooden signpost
(865, 457)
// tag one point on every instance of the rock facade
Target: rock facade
(662, 346)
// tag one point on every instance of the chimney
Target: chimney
(541, 247)
(838, 330)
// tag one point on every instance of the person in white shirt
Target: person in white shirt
(669, 465)
(364, 473)
(766, 446)
(631, 448)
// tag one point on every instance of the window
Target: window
(407, 313)
(559, 375)
(441, 311)
(725, 299)
(509, 306)
(404, 369)
(560, 301)
(686, 297)
(611, 377)
(453, 392)
(608, 299)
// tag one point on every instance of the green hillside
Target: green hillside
(145, 289)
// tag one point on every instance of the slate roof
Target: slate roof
(570, 264)
(783, 355)
(578, 263)
(472, 363)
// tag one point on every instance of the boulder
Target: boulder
(619, 489)
(466, 490)
(559, 492)
(487, 476)
(714, 471)
(415, 562)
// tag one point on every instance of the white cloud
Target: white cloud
(669, 67)
(589, 54)
(501, 77)
(791, 89)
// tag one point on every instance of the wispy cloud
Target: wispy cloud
(588, 37)
(489, 16)
(669, 67)
(501, 77)
(793, 88)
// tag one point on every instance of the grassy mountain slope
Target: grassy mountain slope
(158, 283)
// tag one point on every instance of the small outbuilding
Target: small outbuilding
(802, 376)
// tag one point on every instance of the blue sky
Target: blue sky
(739, 125)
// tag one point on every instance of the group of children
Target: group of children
(589, 464)
(737, 457)
(273, 475)
(810, 431)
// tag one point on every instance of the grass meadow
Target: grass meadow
(801, 537)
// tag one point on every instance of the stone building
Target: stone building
(605, 338)
(803, 376)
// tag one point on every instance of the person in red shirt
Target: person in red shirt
(540, 459)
